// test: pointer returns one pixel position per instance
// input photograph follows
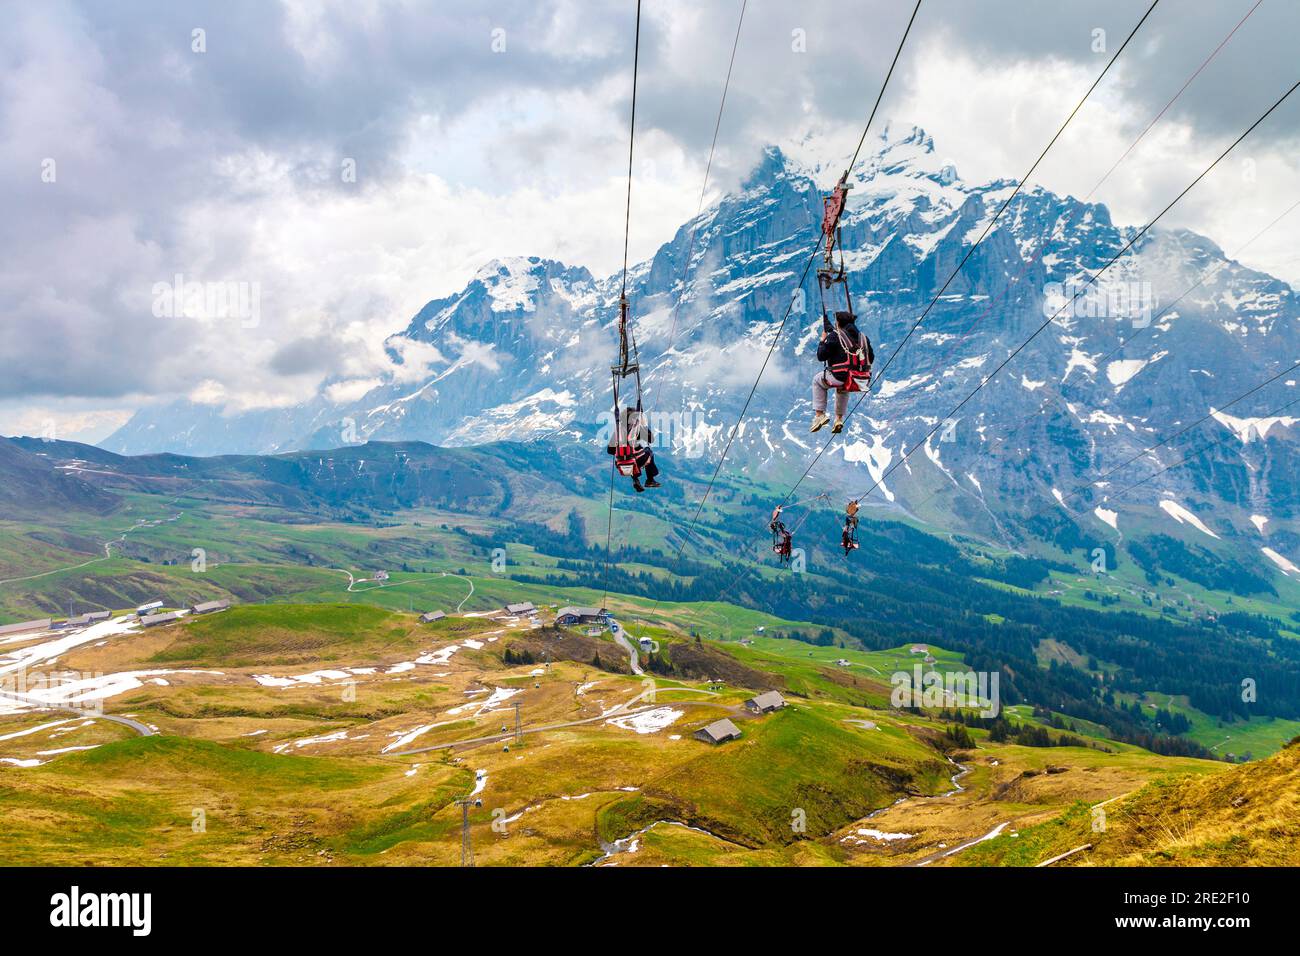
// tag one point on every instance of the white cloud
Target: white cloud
(228, 168)
(350, 391)
(208, 392)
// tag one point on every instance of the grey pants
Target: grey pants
(823, 383)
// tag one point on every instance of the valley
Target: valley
(318, 720)
(307, 734)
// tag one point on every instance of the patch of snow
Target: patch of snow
(1286, 565)
(28, 657)
(480, 781)
(1121, 371)
(1110, 517)
(876, 457)
(1079, 360)
(648, 722)
(882, 836)
(440, 656)
(87, 690)
(411, 736)
(499, 695)
(308, 741)
(1183, 516)
(892, 387)
(315, 677)
(34, 730)
(1248, 429)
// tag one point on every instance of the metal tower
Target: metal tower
(466, 844)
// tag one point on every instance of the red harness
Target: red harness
(625, 460)
(783, 546)
(855, 370)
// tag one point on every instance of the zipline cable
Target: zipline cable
(631, 141)
(690, 246)
(875, 379)
(803, 277)
(627, 232)
(1182, 461)
(1091, 279)
(1205, 277)
(704, 188)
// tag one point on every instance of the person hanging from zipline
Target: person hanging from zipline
(782, 537)
(849, 537)
(847, 354)
(633, 450)
(632, 441)
(844, 348)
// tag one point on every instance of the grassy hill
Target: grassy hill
(360, 761)
(1243, 816)
(31, 485)
(263, 635)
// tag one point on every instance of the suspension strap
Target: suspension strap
(830, 273)
(832, 209)
(628, 358)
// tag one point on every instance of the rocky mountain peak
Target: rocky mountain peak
(523, 350)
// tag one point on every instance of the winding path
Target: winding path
(38, 706)
(143, 522)
(624, 643)
(379, 585)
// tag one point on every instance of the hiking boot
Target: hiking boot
(651, 483)
(636, 485)
(820, 421)
(838, 426)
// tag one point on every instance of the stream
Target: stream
(631, 842)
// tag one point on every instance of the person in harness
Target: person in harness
(632, 451)
(847, 354)
(782, 537)
(849, 537)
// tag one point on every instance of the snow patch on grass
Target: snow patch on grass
(1285, 564)
(648, 722)
(1183, 516)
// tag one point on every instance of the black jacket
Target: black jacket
(831, 352)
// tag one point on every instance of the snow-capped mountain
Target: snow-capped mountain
(523, 351)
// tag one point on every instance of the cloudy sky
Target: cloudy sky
(338, 164)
